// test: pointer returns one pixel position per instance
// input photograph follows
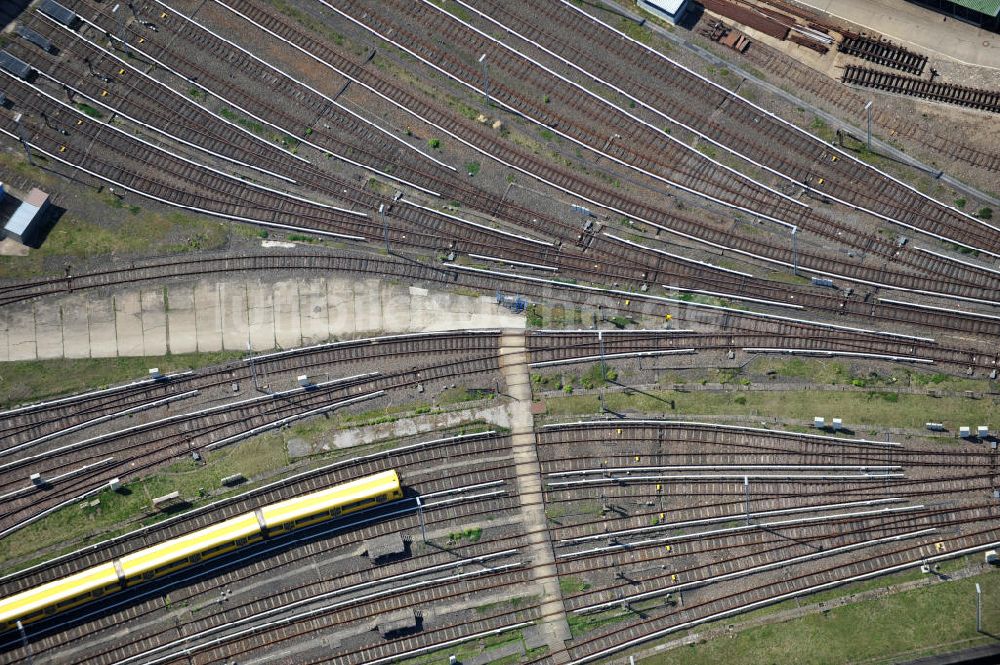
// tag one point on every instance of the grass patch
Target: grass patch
(460, 394)
(472, 535)
(895, 630)
(89, 110)
(35, 380)
(640, 33)
(133, 506)
(472, 168)
(822, 130)
(130, 230)
(815, 371)
(572, 585)
(583, 623)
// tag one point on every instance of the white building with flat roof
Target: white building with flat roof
(669, 10)
(23, 225)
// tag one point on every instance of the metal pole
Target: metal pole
(979, 609)
(868, 108)
(420, 514)
(746, 492)
(20, 137)
(385, 226)
(486, 79)
(795, 253)
(253, 369)
(604, 369)
(24, 641)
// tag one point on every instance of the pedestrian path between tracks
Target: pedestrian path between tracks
(514, 368)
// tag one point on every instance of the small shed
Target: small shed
(24, 225)
(671, 11)
(57, 12)
(385, 547)
(14, 66)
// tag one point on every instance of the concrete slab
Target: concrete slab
(154, 323)
(103, 336)
(208, 316)
(314, 321)
(260, 307)
(910, 24)
(234, 315)
(21, 334)
(75, 326)
(182, 319)
(128, 323)
(48, 329)
(367, 305)
(398, 307)
(340, 307)
(4, 325)
(287, 321)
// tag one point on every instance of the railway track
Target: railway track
(74, 466)
(805, 257)
(735, 320)
(433, 472)
(949, 93)
(821, 509)
(723, 549)
(725, 584)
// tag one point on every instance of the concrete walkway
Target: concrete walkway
(925, 29)
(207, 316)
(514, 367)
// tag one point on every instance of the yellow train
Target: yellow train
(171, 555)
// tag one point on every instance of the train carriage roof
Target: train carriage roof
(184, 546)
(56, 591)
(317, 502)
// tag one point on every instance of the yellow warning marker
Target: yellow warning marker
(668, 548)
(79, 122)
(939, 547)
(663, 517)
(636, 458)
(142, 39)
(659, 487)
(163, 14)
(619, 431)
(820, 181)
(62, 148)
(668, 317)
(121, 72)
(673, 578)
(627, 301)
(104, 93)
(835, 158)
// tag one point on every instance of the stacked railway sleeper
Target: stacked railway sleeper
(658, 525)
(823, 87)
(328, 576)
(987, 100)
(883, 53)
(364, 228)
(75, 458)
